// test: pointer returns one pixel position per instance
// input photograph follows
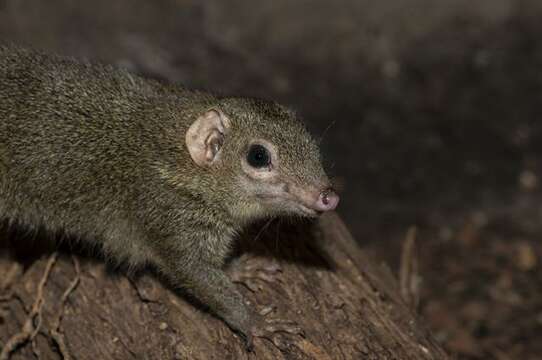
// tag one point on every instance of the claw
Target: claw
(271, 328)
(251, 273)
(249, 343)
(267, 310)
(285, 328)
(272, 268)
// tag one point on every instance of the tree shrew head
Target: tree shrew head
(265, 156)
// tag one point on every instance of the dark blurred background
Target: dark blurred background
(428, 112)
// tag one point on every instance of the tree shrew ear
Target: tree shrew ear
(205, 137)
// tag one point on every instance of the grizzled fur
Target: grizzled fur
(99, 153)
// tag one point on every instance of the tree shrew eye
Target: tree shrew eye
(258, 156)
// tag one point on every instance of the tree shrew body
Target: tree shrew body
(151, 173)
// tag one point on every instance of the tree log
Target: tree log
(76, 307)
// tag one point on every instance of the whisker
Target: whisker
(324, 133)
(277, 236)
(265, 226)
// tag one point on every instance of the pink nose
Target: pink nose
(327, 201)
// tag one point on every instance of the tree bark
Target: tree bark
(72, 306)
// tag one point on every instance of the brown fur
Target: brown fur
(100, 153)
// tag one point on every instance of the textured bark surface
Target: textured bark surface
(348, 307)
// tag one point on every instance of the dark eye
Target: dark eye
(258, 156)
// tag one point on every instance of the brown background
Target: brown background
(429, 113)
